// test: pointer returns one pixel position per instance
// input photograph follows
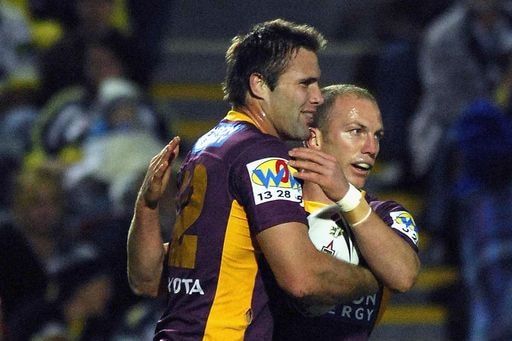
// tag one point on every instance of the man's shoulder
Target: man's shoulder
(396, 216)
(239, 138)
(386, 204)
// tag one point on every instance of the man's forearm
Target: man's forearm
(389, 257)
(348, 283)
(145, 251)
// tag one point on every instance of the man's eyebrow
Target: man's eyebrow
(310, 80)
(364, 126)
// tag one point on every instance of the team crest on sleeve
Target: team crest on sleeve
(271, 179)
(404, 222)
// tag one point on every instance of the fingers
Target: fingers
(174, 148)
(159, 164)
(158, 173)
(317, 156)
(308, 160)
(320, 168)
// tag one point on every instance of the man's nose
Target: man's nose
(316, 95)
(371, 145)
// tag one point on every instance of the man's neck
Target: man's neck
(259, 118)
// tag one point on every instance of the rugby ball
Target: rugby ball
(330, 234)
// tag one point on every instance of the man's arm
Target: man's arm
(145, 248)
(389, 257)
(309, 275)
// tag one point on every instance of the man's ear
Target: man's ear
(315, 139)
(257, 85)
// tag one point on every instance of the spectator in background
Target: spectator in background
(63, 64)
(88, 125)
(118, 121)
(476, 200)
(92, 128)
(144, 21)
(78, 305)
(18, 89)
(17, 57)
(463, 57)
(396, 82)
(39, 235)
(75, 112)
(390, 70)
(33, 237)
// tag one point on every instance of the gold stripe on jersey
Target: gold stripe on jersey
(312, 206)
(232, 302)
(182, 253)
(237, 116)
(183, 247)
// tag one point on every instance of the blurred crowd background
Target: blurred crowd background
(90, 90)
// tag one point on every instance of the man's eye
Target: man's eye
(308, 82)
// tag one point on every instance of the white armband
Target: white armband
(350, 200)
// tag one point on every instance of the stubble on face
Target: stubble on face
(294, 100)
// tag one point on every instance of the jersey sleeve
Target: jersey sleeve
(263, 183)
(399, 219)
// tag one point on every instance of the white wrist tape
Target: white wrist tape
(350, 200)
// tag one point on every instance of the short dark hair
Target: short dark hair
(267, 50)
(330, 93)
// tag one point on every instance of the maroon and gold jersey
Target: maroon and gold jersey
(234, 183)
(355, 320)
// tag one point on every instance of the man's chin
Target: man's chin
(357, 181)
(298, 135)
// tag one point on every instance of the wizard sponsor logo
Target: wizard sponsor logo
(271, 179)
(404, 222)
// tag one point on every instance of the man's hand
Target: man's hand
(320, 168)
(158, 174)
